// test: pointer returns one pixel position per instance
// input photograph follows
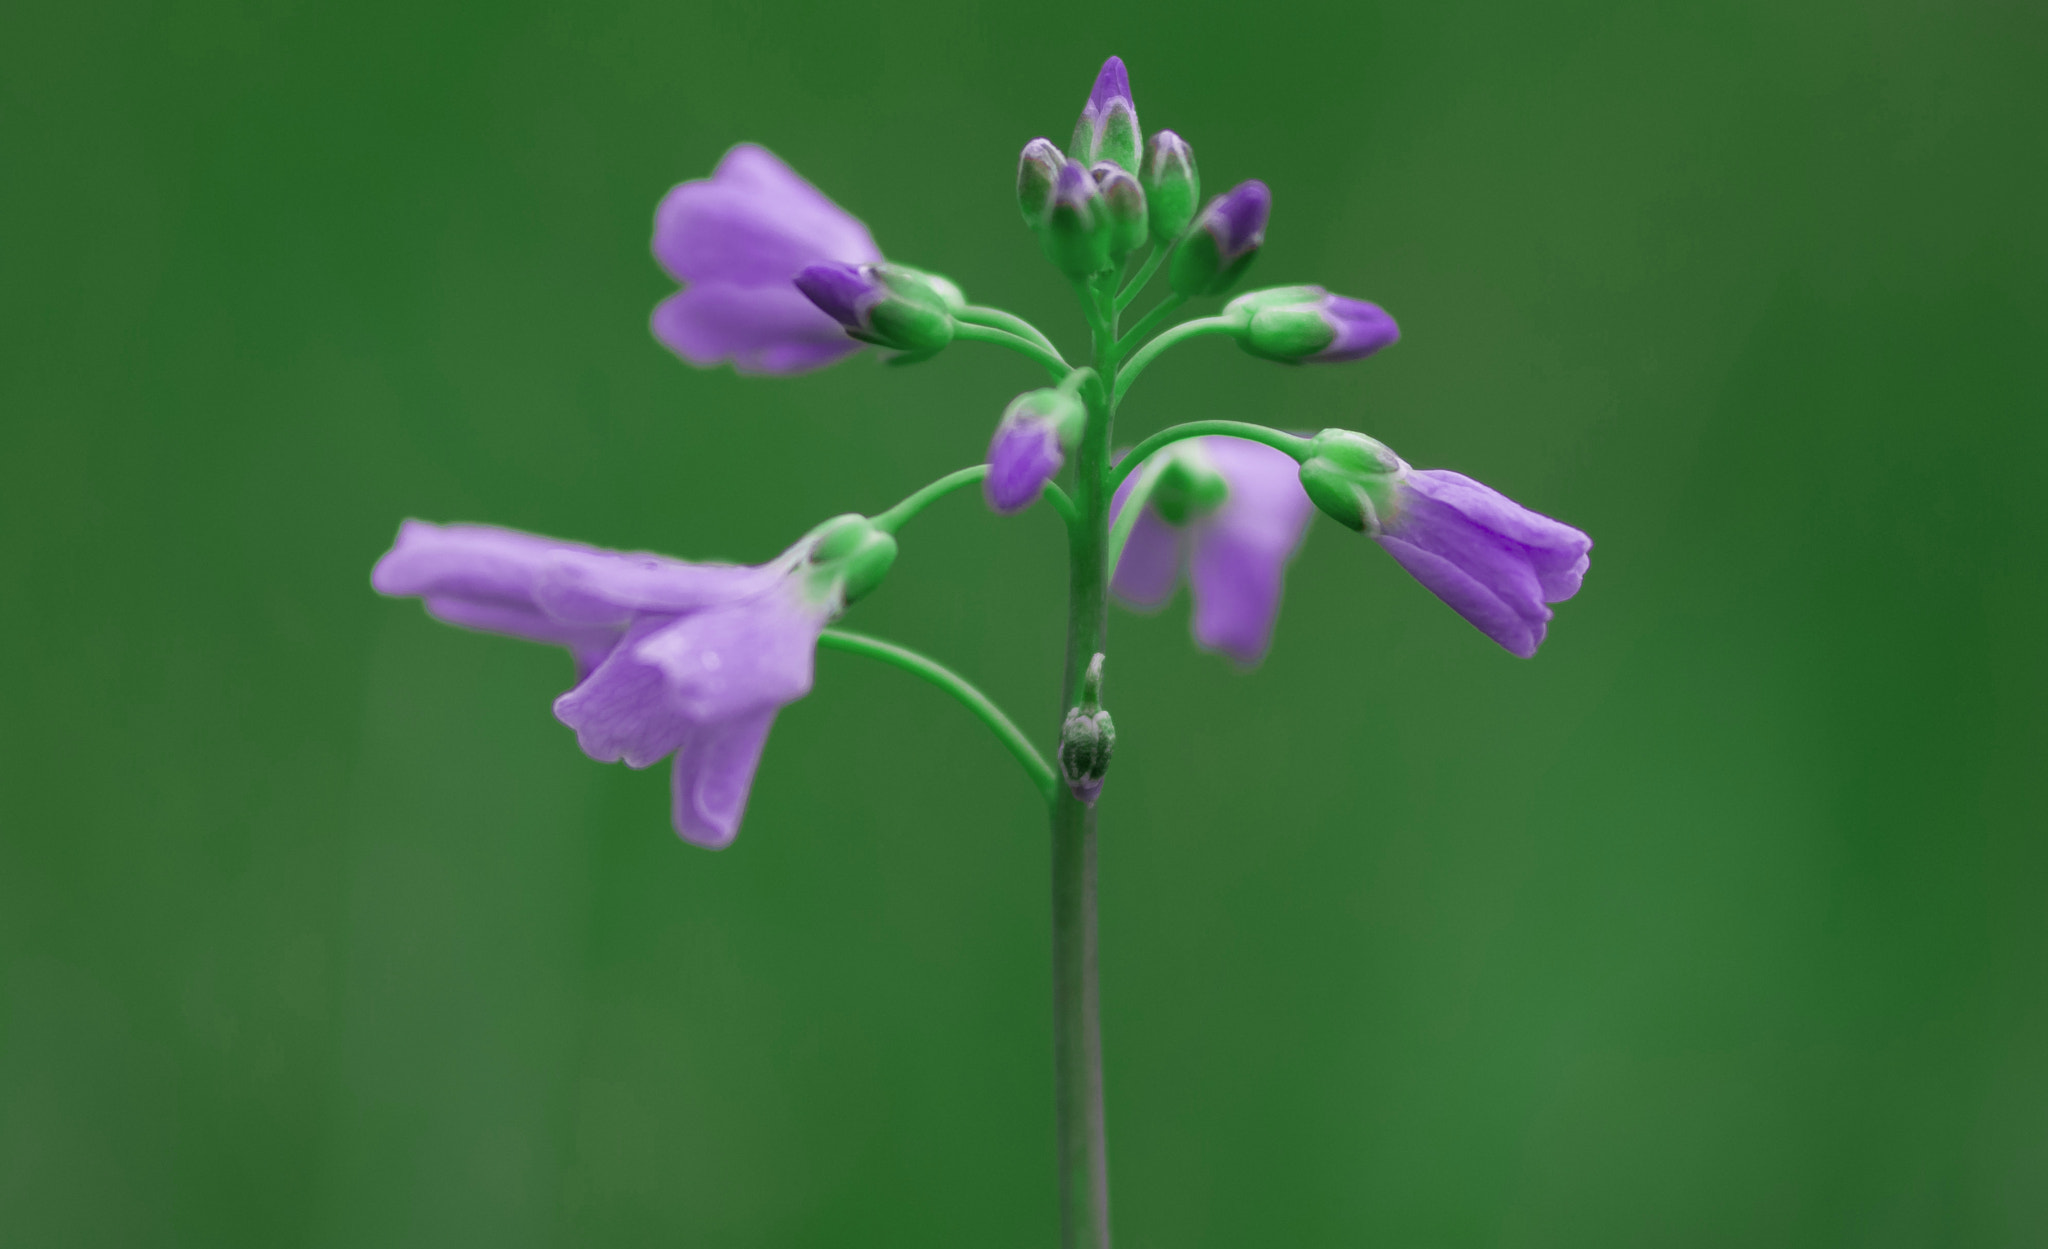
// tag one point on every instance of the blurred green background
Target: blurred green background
(1720, 923)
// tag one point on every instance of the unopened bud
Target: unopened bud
(1108, 126)
(1087, 739)
(1077, 227)
(889, 305)
(851, 554)
(1123, 201)
(1307, 324)
(1038, 167)
(1354, 479)
(1029, 446)
(1172, 187)
(1223, 241)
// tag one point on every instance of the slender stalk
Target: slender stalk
(969, 332)
(1136, 286)
(1279, 441)
(1179, 333)
(1077, 1027)
(984, 709)
(977, 314)
(896, 517)
(1151, 321)
(1069, 515)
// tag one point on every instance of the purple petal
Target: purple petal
(1149, 567)
(767, 329)
(1558, 553)
(588, 644)
(714, 773)
(1113, 83)
(1495, 562)
(622, 710)
(477, 562)
(604, 587)
(1024, 454)
(1362, 329)
(737, 659)
(1237, 218)
(754, 222)
(1518, 625)
(1241, 552)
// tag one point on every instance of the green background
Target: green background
(1719, 923)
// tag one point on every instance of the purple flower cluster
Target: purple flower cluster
(672, 658)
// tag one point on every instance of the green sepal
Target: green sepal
(1188, 485)
(851, 556)
(1354, 479)
(1198, 267)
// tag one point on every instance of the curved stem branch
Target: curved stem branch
(984, 709)
(1179, 333)
(972, 333)
(896, 517)
(978, 314)
(1151, 321)
(1279, 440)
(1060, 503)
(1136, 286)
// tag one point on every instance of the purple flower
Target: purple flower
(1236, 554)
(1494, 561)
(891, 306)
(736, 239)
(672, 658)
(1029, 446)
(1309, 325)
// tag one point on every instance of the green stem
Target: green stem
(1071, 516)
(969, 332)
(1134, 506)
(1179, 333)
(1152, 321)
(1077, 1027)
(959, 687)
(977, 314)
(1136, 286)
(1279, 441)
(896, 517)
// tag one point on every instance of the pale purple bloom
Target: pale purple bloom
(672, 658)
(1494, 561)
(736, 240)
(1236, 556)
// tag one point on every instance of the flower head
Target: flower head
(736, 240)
(1233, 520)
(1495, 562)
(672, 658)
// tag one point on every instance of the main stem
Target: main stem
(1076, 1002)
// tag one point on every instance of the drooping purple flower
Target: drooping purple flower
(672, 658)
(736, 240)
(1236, 554)
(1029, 447)
(1495, 562)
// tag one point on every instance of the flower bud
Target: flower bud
(1124, 202)
(1223, 241)
(1108, 126)
(885, 304)
(1087, 739)
(1307, 324)
(1172, 187)
(851, 555)
(1353, 479)
(1077, 227)
(1029, 446)
(1038, 167)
